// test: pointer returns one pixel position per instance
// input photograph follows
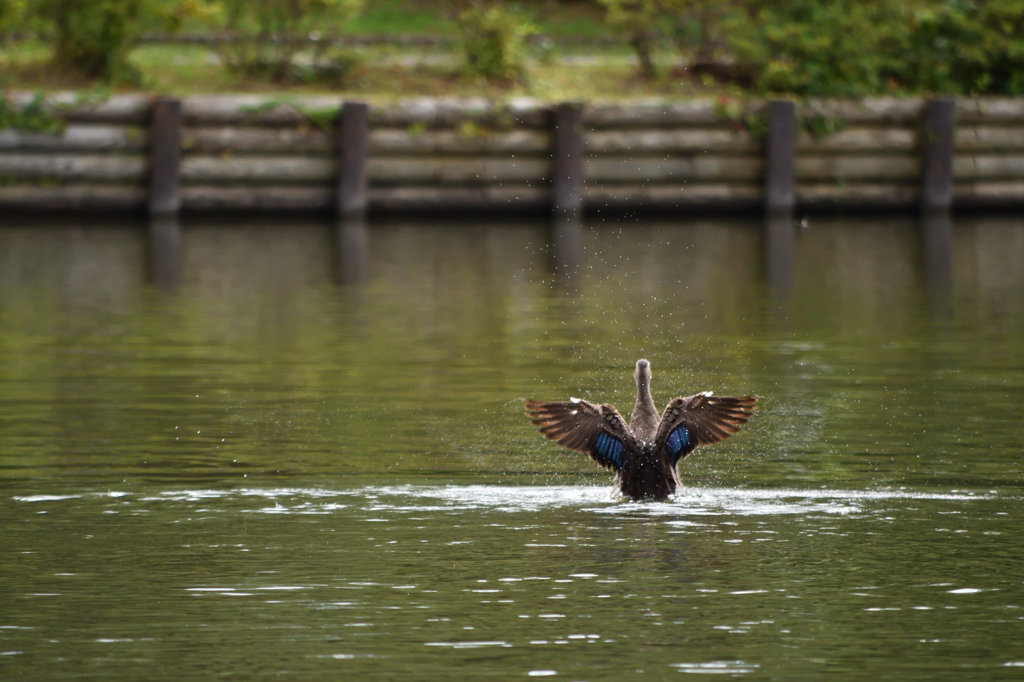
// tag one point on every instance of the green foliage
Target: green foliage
(331, 66)
(856, 48)
(821, 126)
(734, 112)
(494, 42)
(34, 117)
(756, 125)
(271, 34)
(813, 47)
(326, 119)
(795, 47)
(323, 118)
(640, 20)
(727, 109)
(965, 47)
(699, 29)
(845, 48)
(12, 14)
(95, 37)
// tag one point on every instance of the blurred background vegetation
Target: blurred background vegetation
(545, 48)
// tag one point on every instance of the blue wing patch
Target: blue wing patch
(610, 448)
(678, 443)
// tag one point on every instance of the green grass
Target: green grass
(398, 17)
(404, 17)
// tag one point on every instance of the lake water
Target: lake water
(259, 473)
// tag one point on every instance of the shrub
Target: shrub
(850, 48)
(839, 47)
(810, 47)
(12, 13)
(93, 37)
(34, 117)
(966, 47)
(494, 42)
(698, 30)
(331, 65)
(640, 21)
(269, 34)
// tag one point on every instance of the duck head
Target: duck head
(642, 375)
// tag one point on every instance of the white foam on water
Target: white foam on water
(497, 497)
(688, 501)
(44, 498)
(468, 645)
(268, 493)
(716, 667)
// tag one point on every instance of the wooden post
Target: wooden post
(164, 199)
(353, 192)
(567, 157)
(566, 231)
(164, 156)
(779, 150)
(937, 172)
(779, 200)
(353, 142)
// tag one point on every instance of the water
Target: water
(260, 474)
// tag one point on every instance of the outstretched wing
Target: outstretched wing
(700, 419)
(597, 430)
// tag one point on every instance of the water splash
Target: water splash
(406, 499)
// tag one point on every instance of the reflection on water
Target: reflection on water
(259, 473)
(352, 237)
(937, 233)
(566, 245)
(164, 250)
(778, 254)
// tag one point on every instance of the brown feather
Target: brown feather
(709, 418)
(576, 425)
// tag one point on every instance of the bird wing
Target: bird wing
(597, 430)
(700, 419)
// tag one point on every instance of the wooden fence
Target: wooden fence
(247, 152)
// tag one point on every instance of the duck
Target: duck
(645, 453)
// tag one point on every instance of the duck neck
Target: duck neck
(644, 420)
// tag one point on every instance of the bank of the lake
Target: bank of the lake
(255, 152)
